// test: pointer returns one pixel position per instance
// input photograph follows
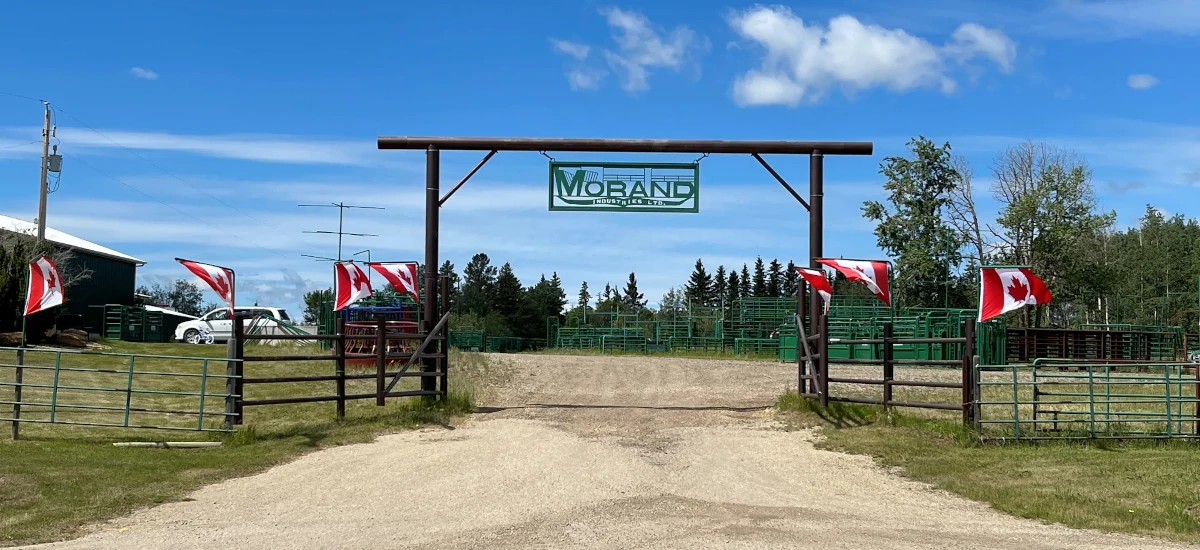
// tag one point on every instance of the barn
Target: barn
(113, 274)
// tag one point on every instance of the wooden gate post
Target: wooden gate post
(19, 380)
(380, 359)
(823, 357)
(969, 382)
(339, 365)
(889, 372)
(443, 346)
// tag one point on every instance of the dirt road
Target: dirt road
(592, 452)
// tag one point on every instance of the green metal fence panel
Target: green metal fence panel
(504, 344)
(114, 390)
(469, 340)
(1054, 399)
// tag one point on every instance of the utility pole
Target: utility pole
(341, 211)
(44, 185)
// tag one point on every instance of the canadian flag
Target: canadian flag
(817, 280)
(1004, 289)
(873, 274)
(45, 286)
(402, 276)
(219, 279)
(350, 284)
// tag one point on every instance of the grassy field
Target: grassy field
(1135, 487)
(57, 478)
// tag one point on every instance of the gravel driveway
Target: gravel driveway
(592, 452)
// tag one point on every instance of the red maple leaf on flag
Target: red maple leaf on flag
(52, 281)
(1018, 291)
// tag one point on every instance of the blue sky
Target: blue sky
(195, 131)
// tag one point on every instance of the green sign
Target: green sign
(624, 187)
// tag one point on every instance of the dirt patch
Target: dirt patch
(595, 452)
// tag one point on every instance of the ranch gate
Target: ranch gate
(434, 200)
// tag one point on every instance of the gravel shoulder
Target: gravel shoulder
(592, 452)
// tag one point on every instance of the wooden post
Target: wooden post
(19, 378)
(444, 346)
(823, 356)
(801, 345)
(968, 373)
(888, 365)
(380, 359)
(340, 366)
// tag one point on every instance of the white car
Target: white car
(218, 324)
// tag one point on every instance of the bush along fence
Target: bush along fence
(393, 347)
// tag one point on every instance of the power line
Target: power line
(341, 210)
(34, 142)
(164, 170)
(172, 207)
(20, 96)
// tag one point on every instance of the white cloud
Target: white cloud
(1142, 81)
(144, 74)
(802, 62)
(573, 49)
(1113, 19)
(641, 48)
(585, 78)
(272, 148)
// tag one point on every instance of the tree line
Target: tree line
(1048, 219)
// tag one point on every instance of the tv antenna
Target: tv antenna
(341, 215)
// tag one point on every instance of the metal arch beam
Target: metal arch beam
(781, 181)
(626, 145)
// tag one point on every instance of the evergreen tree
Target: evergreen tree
(479, 285)
(699, 287)
(508, 292)
(634, 299)
(760, 278)
(719, 286)
(733, 291)
(744, 289)
(791, 280)
(584, 296)
(557, 296)
(775, 278)
(447, 271)
(608, 293)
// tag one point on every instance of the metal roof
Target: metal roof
(167, 311)
(58, 237)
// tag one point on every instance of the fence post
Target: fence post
(231, 386)
(968, 373)
(19, 378)
(823, 357)
(888, 366)
(380, 359)
(239, 350)
(444, 345)
(340, 366)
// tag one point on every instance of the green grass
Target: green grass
(1134, 487)
(58, 478)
